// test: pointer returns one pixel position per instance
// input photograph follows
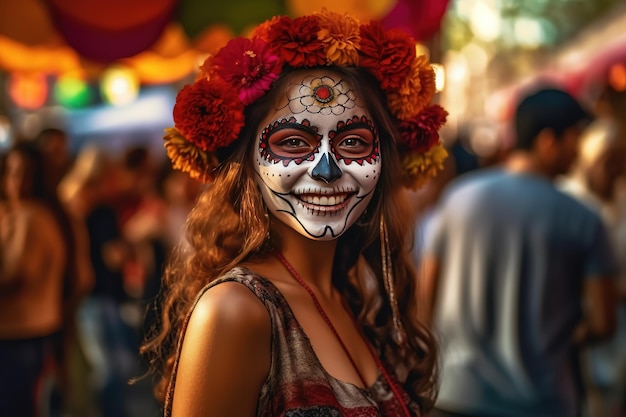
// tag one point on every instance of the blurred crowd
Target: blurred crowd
(83, 239)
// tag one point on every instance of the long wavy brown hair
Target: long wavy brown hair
(228, 226)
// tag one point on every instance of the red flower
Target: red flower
(422, 132)
(386, 54)
(209, 114)
(262, 30)
(249, 66)
(298, 42)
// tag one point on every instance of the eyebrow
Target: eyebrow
(294, 125)
(357, 125)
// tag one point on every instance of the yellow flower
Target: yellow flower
(187, 157)
(340, 35)
(420, 167)
(416, 92)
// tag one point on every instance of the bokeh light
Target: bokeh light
(28, 91)
(72, 91)
(440, 77)
(119, 86)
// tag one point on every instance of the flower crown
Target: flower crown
(209, 114)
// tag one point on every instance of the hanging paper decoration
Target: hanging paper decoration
(105, 31)
(420, 18)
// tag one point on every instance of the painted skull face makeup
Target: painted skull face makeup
(318, 157)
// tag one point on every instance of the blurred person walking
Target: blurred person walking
(594, 180)
(520, 275)
(39, 275)
(141, 213)
(88, 191)
(53, 143)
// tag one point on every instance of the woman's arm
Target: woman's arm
(225, 356)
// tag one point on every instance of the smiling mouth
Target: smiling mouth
(325, 203)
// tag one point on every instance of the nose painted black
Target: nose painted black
(326, 170)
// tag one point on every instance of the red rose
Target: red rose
(299, 46)
(209, 114)
(422, 132)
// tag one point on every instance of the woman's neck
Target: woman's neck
(312, 259)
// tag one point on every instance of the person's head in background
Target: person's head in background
(139, 168)
(602, 159)
(54, 142)
(55, 147)
(21, 173)
(547, 126)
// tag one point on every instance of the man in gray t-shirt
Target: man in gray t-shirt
(518, 274)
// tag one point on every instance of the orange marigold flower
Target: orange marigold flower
(297, 40)
(209, 113)
(262, 30)
(207, 69)
(420, 167)
(187, 157)
(386, 54)
(422, 132)
(340, 35)
(416, 92)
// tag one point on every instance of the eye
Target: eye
(291, 144)
(355, 144)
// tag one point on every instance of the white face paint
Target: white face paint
(318, 157)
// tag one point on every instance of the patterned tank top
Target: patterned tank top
(297, 384)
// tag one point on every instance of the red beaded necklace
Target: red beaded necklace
(330, 325)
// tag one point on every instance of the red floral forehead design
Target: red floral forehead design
(209, 113)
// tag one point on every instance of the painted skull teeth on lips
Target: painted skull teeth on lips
(326, 203)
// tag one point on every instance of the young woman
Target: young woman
(295, 294)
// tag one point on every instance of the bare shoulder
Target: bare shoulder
(225, 355)
(232, 304)
(39, 214)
